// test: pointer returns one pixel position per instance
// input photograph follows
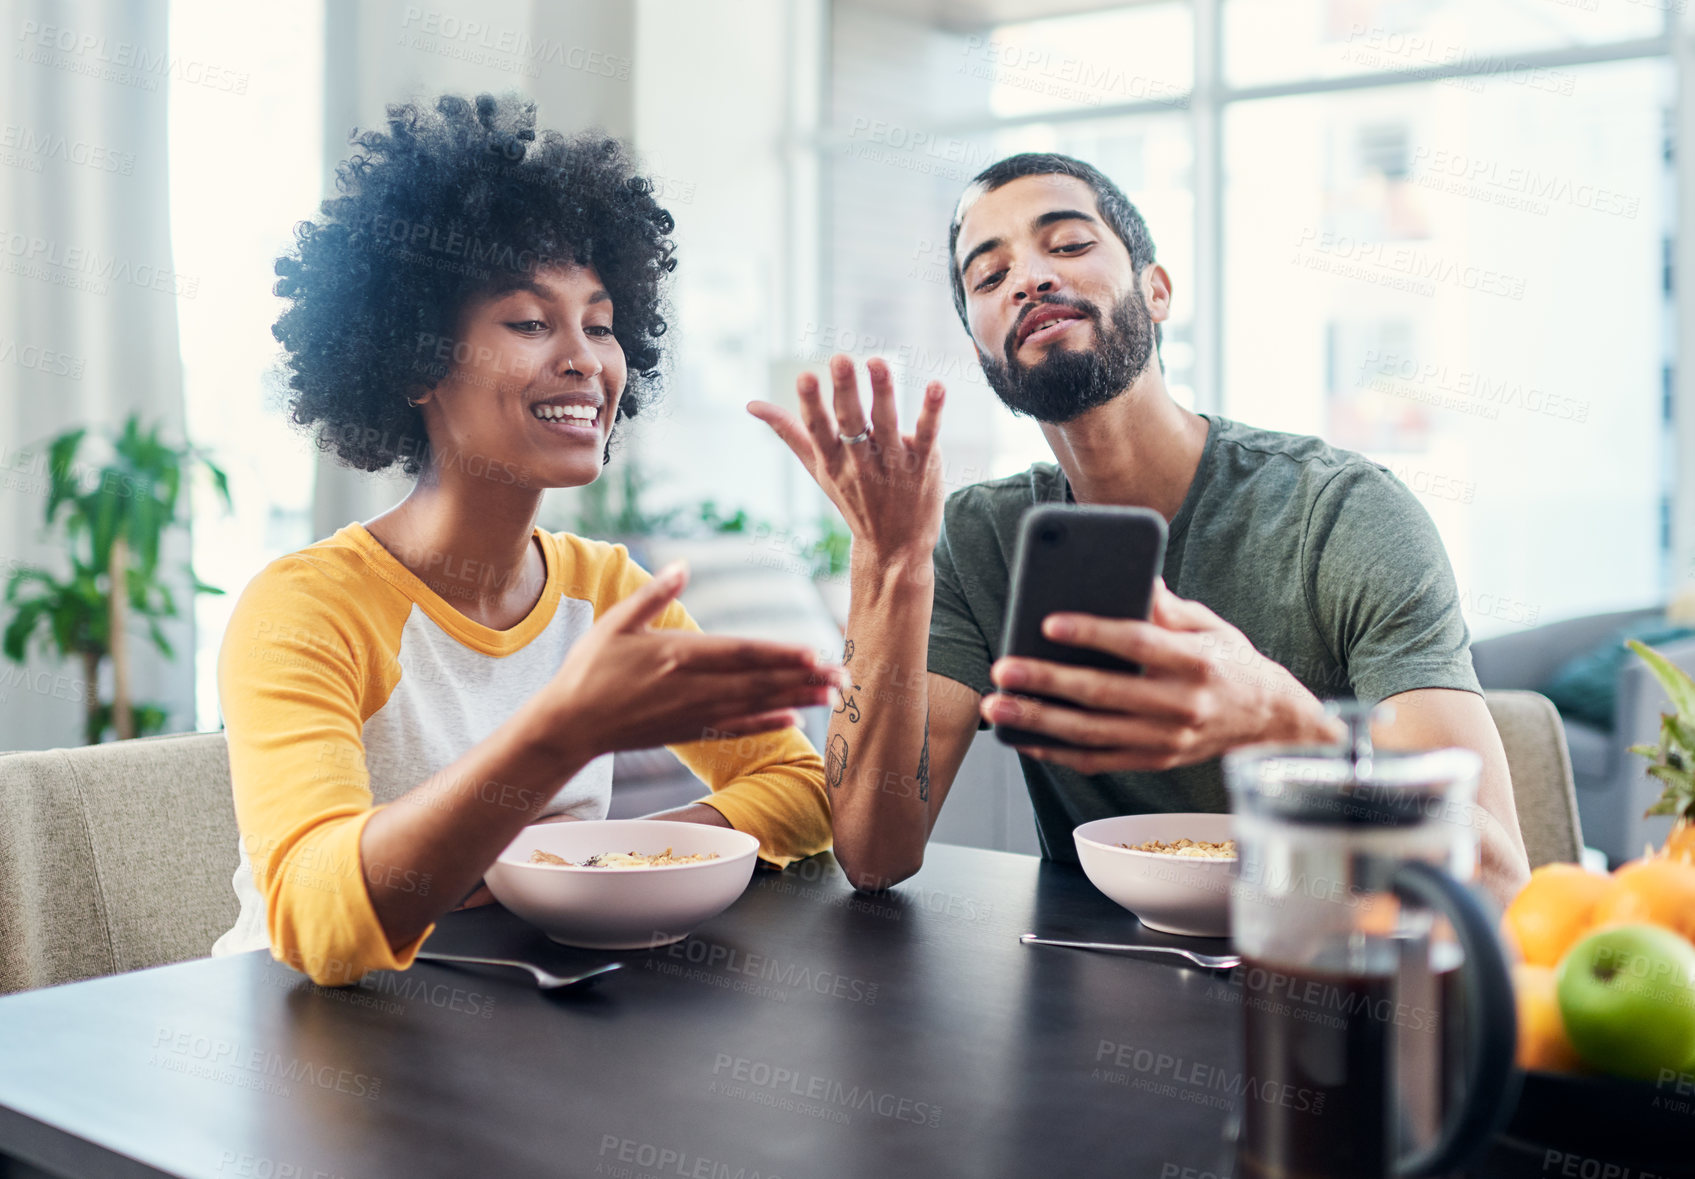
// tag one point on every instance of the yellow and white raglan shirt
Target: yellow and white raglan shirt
(345, 681)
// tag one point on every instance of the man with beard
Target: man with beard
(1294, 571)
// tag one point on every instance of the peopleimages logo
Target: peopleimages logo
(1462, 389)
(29, 249)
(1060, 75)
(253, 1068)
(776, 1078)
(125, 62)
(1515, 186)
(1399, 267)
(1166, 1075)
(516, 51)
(655, 1160)
(713, 956)
(52, 146)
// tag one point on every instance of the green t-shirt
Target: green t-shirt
(1322, 558)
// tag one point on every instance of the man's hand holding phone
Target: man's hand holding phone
(1203, 690)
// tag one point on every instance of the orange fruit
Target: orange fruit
(1542, 1042)
(1657, 890)
(1553, 910)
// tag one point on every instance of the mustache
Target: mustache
(1081, 306)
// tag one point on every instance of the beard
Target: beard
(1067, 382)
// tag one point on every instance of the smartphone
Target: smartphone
(1079, 560)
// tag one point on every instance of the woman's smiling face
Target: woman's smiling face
(533, 391)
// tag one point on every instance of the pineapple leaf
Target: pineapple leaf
(1679, 779)
(1679, 687)
(1679, 728)
(1667, 805)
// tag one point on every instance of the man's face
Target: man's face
(1058, 314)
(535, 383)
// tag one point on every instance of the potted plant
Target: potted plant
(1674, 757)
(111, 520)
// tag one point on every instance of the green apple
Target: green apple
(1627, 996)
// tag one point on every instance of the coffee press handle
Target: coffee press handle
(1491, 1020)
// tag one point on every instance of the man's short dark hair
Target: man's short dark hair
(448, 205)
(1115, 208)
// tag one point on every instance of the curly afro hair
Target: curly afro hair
(445, 207)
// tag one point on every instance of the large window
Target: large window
(1414, 272)
(1434, 231)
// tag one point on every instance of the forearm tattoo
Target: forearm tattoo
(835, 760)
(924, 762)
(850, 703)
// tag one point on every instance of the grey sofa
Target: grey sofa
(1612, 788)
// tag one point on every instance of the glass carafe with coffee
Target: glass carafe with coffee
(1378, 1008)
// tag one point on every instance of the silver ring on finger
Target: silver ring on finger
(863, 436)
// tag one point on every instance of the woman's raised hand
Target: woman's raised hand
(629, 685)
(887, 486)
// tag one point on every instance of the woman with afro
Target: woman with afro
(483, 306)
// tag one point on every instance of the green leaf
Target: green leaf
(64, 630)
(169, 484)
(1681, 733)
(135, 495)
(61, 460)
(1679, 687)
(1667, 773)
(23, 577)
(149, 719)
(142, 521)
(220, 481)
(15, 644)
(105, 530)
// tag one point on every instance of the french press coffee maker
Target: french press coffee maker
(1377, 1005)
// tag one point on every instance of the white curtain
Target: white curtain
(88, 289)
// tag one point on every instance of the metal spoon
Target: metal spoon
(545, 980)
(1210, 961)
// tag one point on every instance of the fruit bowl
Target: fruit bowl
(1641, 1124)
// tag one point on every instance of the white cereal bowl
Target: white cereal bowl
(1173, 894)
(622, 908)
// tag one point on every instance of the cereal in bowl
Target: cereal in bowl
(1194, 849)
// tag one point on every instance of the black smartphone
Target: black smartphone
(1079, 560)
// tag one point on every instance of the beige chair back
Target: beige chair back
(114, 857)
(1535, 742)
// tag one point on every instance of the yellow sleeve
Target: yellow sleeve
(770, 786)
(305, 660)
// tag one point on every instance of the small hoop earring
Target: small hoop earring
(414, 404)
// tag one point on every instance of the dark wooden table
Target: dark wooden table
(807, 1031)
